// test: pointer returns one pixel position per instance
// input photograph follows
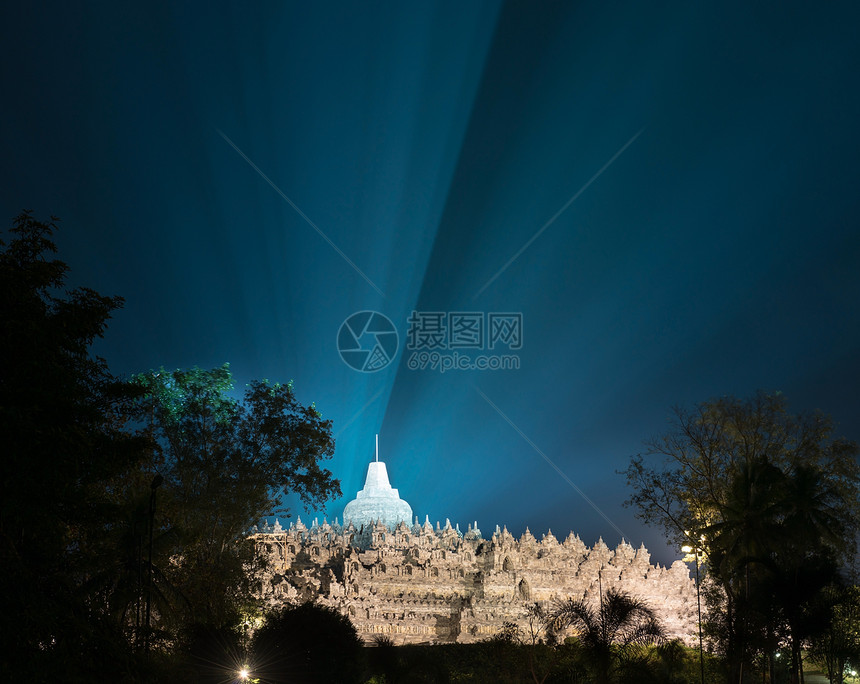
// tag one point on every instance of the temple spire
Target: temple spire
(377, 448)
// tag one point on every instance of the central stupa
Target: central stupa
(378, 501)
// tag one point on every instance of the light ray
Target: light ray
(553, 465)
(555, 216)
(301, 213)
(359, 412)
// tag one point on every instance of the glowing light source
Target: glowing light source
(244, 674)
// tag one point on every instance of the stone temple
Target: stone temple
(414, 583)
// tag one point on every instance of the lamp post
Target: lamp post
(156, 483)
(695, 550)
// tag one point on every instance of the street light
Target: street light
(695, 549)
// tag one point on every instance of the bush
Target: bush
(307, 643)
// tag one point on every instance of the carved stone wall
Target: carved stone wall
(417, 584)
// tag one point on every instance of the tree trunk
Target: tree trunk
(840, 670)
(795, 659)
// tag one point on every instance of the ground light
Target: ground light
(242, 674)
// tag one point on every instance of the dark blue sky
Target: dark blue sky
(719, 252)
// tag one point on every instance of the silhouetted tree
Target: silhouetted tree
(81, 449)
(770, 499)
(63, 441)
(225, 464)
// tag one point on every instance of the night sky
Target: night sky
(667, 195)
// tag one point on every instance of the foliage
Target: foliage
(63, 439)
(839, 644)
(308, 644)
(502, 660)
(82, 453)
(224, 464)
(496, 660)
(615, 636)
(538, 634)
(770, 499)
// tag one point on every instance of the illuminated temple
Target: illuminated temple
(416, 583)
(378, 501)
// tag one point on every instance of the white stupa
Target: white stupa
(378, 501)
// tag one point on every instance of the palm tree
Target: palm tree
(773, 551)
(806, 561)
(614, 635)
(739, 549)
